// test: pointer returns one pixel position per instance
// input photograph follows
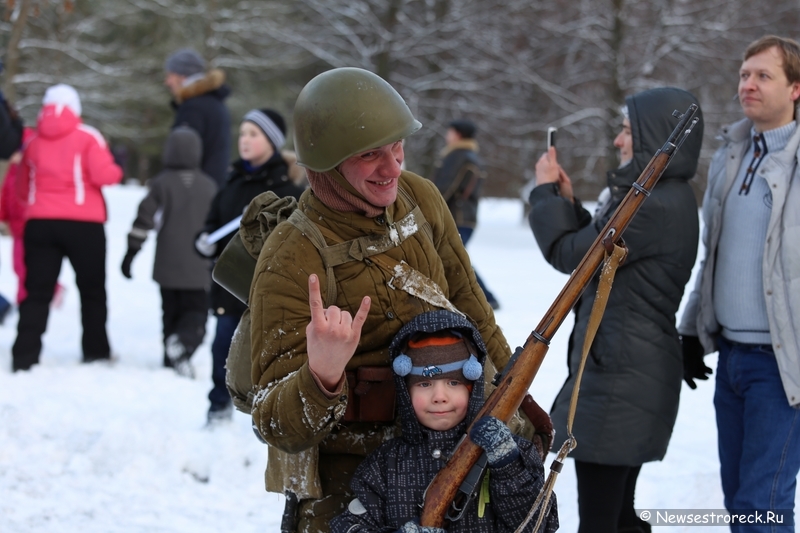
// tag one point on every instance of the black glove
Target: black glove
(495, 438)
(693, 365)
(126, 263)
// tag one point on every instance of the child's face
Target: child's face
(439, 404)
(254, 147)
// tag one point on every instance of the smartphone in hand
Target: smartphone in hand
(551, 136)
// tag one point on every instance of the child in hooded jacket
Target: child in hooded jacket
(438, 364)
(64, 167)
(179, 198)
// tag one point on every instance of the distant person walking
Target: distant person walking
(66, 163)
(10, 144)
(179, 197)
(198, 97)
(459, 177)
(14, 213)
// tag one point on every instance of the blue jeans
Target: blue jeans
(758, 432)
(226, 325)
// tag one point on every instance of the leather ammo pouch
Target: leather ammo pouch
(370, 395)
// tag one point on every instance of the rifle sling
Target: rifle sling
(607, 273)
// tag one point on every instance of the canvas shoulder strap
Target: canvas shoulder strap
(373, 247)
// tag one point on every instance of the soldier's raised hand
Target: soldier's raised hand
(332, 335)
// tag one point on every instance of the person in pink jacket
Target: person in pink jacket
(62, 171)
(13, 212)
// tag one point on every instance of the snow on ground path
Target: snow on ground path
(121, 448)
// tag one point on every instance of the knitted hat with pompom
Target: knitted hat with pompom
(440, 355)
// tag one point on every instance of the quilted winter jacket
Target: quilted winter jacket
(390, 483)
(632, 381)
(63, 168)
(290, 411)
(176, 205)
(781, 254)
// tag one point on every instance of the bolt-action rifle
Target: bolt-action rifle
(449, 493)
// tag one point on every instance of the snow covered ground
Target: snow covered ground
(122, 448)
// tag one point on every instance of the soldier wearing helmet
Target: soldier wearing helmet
(323, 315)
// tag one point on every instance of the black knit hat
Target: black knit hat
(464, 127)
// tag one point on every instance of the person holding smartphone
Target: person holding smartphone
(632, 380)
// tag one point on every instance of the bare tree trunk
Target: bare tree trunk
(12, 53)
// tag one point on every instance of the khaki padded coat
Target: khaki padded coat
(295, 418)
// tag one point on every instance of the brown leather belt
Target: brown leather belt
(370, 395)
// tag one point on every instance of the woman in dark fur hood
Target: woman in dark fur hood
(443, 347)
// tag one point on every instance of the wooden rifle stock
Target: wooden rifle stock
(518, 375)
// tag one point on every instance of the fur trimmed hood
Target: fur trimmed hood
(463, 144)
(213, 80)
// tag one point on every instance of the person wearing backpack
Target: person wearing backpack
(380, 247)
(261, 167)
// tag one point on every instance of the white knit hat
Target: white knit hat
(63, 95)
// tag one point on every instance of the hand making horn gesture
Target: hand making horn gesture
(332, 336)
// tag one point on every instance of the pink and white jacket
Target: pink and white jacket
(66, 163)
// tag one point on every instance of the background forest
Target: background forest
(515, 67)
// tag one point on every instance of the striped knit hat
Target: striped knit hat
(271, 123)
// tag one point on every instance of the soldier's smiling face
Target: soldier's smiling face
(375, 173)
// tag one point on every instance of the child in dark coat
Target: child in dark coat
(182, 194)
(261, 167)
(438, 363)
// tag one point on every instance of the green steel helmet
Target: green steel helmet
(345, 111)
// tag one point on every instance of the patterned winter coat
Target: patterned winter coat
(389, 485)
(290, 411)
